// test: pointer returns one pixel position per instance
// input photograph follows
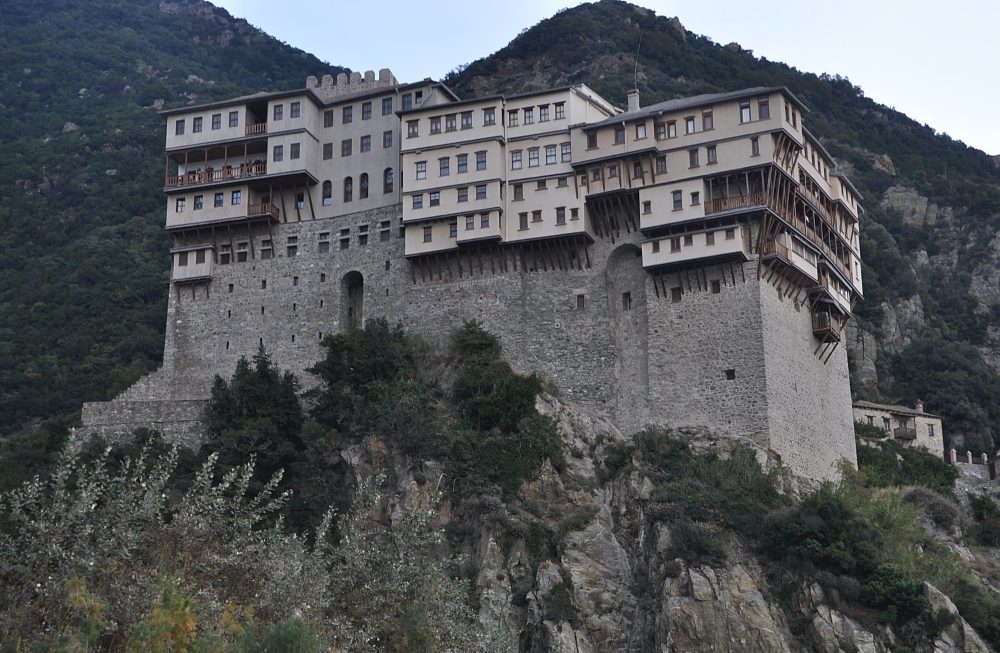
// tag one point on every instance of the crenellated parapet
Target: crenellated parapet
(351, 84)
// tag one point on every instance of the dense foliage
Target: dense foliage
(887, 463)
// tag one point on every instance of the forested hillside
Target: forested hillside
(83, 257)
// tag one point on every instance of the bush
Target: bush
(987, 516)
(942, 512)
(893, 591)
(888, 463)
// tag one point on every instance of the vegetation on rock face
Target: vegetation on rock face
(887, 463)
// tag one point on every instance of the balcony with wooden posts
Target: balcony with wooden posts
(263, 210)
(826, 325)
(209, 175)
(740, 202)
(255, 129)
(905, 433)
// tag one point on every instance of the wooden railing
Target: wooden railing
(734, 203)
(210, 175)
(905, 433)
(774, 247)
(824, 324)
(259, 128)
(264, 208)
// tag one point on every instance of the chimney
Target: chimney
(633, 100)
(920, 406)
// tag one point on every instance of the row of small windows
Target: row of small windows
(444, 165)
(470, 225)
(528, 114)
(236, 197)
(347, 113)
(364, 145)
(553, 154)
(387, 187)
(541, 184)
(198, 123)
(434, 198)
(451, 121)
(536, 216)
(688, 240)
(323, 246)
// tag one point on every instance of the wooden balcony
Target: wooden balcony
(259, 128)
(263, 209)
(774, 247)
(905, 433)
(734, 203)
(825, 326)
(222, 174)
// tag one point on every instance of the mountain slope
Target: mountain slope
(83, 259)
(932, 302)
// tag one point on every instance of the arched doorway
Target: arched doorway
(352, 294)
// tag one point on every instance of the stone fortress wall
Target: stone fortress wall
(740, 361)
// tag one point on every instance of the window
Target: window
(179, 205)
(182, 259)
(716, 287)
(327, 193)
(348, 116)
(563, 182)
(712, 156)
(745, 111)
(328, 118)
(626, 301)
(387, 180)
(293, 246)
(560, 110)
(675, 244)
(450, 122)
(532, 157)
(550, 154)
(597, 174)
(463, 194)
(678, 200)
(567, 152)
(300, 200)
(581, 302)
(220, 200)
(640, 130)
(294, 150)
(435, 199)
(386, 106)
(489, 117)
(612, 171)
(427, 234)
(234, 118)
(636, 170)
(529, 116)
(348, 189)
(266, 252)
(241, 252)
(480, 160)
(518, 192)
(619, 135)
(407, 102)
(871, 419)
(294, 109)
(707, 122)
(695, 198)
(661, 165)
(536, 216)
(346, 146)
(225, 256)
(366, 111)
(444, 165)
(755, 146)
(671, 129)
(196, 124)
(543, 113)
(763, 110)
(561, 215)
(412, 128)
(470, 222)
(591, 140)
(515, 160)
(435, 125)
(730, 233)
(466, 120)
(795, 123)
(930, 430)
(583, 181)
(730, 375)
(453, 229)
(237, 197)
(421, 170)
(647, 206)
(387, 139)
(384, 234)
(418, 97)
(886, 424)
(512, 118)
(481, 192)
(660, 130)
(693, 158)
(540, 185)
(278, 153)
(199, 202)
(710, 238)
(279, 112)
(179, 127)
(363, 186)
(689, 125)
(522, 221)
(484, 220)
(418, 201)
(327, 151)
(366, 143)
(463, 163)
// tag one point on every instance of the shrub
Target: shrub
(942, 512)
(888, 463)
(893, 591)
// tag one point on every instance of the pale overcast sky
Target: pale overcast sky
(937, 62)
